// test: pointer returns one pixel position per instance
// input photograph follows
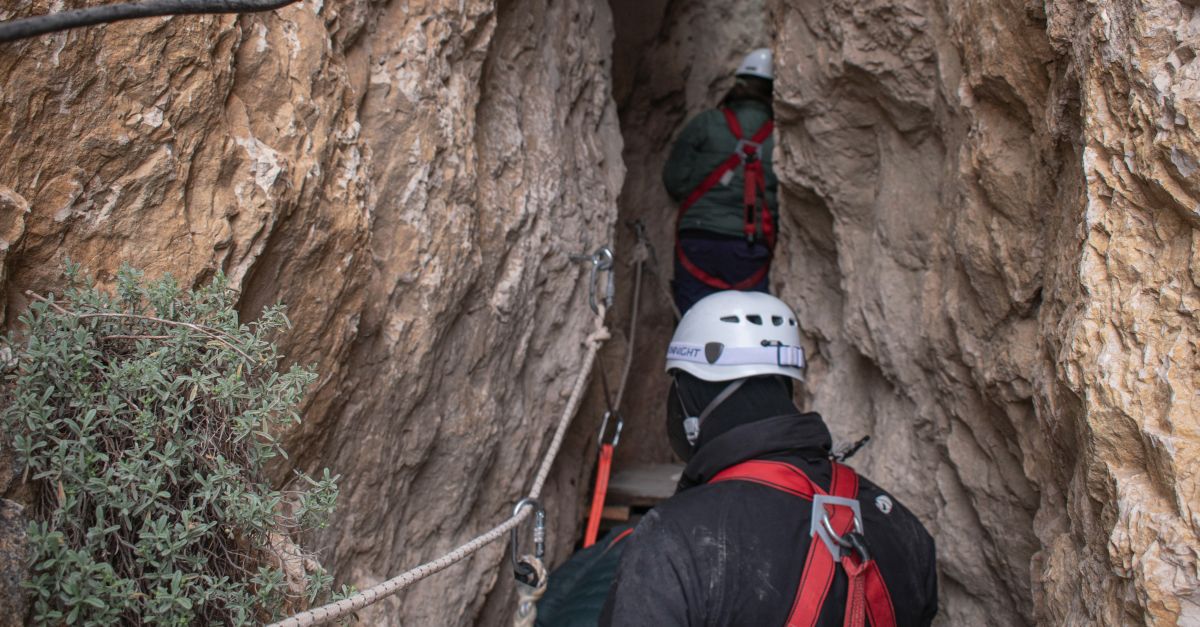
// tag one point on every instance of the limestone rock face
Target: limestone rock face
(991, 235)
(990, 231)
(410, 178)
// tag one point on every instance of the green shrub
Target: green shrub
(143, 420)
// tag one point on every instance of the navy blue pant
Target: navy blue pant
(729, 259)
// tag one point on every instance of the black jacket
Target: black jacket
(731, 553)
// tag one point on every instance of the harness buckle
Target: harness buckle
(747, 150)
(787, 356)
(823, 528)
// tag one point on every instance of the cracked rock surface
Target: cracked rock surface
(990, 232)
(992, 237)
(409, 178)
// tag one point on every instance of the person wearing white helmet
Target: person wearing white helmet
(720, 172)
(765, 528)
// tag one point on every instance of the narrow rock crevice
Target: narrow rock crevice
(988, 231)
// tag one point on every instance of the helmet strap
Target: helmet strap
(691, 424)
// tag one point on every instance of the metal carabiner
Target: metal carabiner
(523, 572)
(602, 261)
(853, 540)
(616, 430)
(859, 543)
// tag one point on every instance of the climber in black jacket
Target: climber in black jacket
(733, 544)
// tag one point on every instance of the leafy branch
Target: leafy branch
(144, 419)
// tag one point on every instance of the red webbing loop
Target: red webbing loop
(716, 282)
(856, 594)
(754, 198)
(603, 469)
(879, 600)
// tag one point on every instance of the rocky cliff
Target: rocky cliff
(990, 233)
(409, 178)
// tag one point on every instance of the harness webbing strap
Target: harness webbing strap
(755, 188)
(754, 199)
(599, 493)
(868, 595)
(856, 595)
(819, 567)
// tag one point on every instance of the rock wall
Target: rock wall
(992, 237)
(409, 178)
(990, 232)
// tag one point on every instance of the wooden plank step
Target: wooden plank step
(643, 486)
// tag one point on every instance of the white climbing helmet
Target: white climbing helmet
(732, 335)
(757, 63)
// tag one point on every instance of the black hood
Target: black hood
(789, 435)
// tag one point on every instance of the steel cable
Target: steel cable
(13, 30)
(631, 340)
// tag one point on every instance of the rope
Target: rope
(338, 609)
(608, 401)
(528, 596)
(639, 256)
(24, 28)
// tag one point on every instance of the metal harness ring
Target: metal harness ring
(842, 542)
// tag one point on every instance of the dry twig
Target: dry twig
(199, 328)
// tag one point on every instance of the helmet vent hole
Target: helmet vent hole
(791, 322)
(777, 321)
(754, 319)
(733, 319)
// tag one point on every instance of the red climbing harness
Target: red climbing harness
(868, 594)
(754, 200)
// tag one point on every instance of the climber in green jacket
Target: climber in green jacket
(720, 172)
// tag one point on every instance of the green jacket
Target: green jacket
(702, 146)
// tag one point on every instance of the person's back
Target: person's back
(703, 145)
(736, 544)
(720, 174)
(732, 553)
